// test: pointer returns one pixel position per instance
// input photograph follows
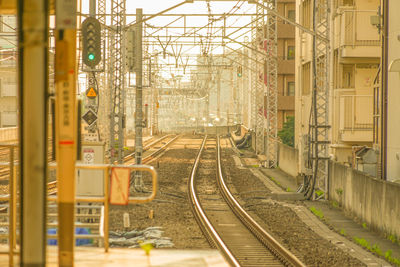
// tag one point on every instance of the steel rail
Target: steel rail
(150, 157)
(146, 147)
(200, 215)
(282, 253)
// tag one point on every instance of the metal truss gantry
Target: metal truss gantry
(104, 93)
(271, 43)
(116, 75)
(319, 124)
(257, 81)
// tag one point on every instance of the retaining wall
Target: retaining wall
(375, 202)
(287, 159)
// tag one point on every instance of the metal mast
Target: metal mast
(258, 81)
(117, 80)
(253, 77)
(272, 89)
(319, 124)
(104, 93)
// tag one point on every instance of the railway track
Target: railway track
(146, 146)
(224, 222)
(153, 149)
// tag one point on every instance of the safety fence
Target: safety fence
(91, 214)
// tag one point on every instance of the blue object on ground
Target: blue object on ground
(78, 231)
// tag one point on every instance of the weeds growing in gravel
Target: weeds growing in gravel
(317, 213)
(393, 239)
(288, 189)
(364, 225)
(343, 232)
(335, 204)
(375, 249)
(274, 180)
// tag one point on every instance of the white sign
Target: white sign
(91, 137)
(119, 193)
(88, 155)
(66, 14)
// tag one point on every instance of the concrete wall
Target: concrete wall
(393, 109)
(374, 201)
(287, 159)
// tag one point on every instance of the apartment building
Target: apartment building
(355, 50)
(390, 147)
(8, 73)
(286, 60)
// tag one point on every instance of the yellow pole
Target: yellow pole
(66, 127)
(11, 210)
(106, 207)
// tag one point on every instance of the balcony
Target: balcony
(285, 102)
(285, 31)
(355, 35)
(356, 118)
(286, 66)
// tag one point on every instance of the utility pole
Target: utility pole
(139, 99)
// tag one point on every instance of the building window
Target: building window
(346, 2)
(347, 76)
(306, 79)
(306, 13)
(292, 15)
(290, 52)
(290, 89)
(338, 3)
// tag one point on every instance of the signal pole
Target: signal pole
(91, 41)
(91, 56)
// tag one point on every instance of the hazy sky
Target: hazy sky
(198, 7)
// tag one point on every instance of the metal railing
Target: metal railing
(356, 112)
(12, 201)
(356, 28)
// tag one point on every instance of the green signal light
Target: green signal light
(91, 56)
(239, 75)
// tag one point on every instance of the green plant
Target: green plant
(364, 225)
(335, 204)
(392, 238)
(287, 132)
(388, 254)
(288, 189)
(319, 192)
(389, 258)
(274, 180)
(317, 213)
(375, 248)
(362, 242)
(343, 232)
(339, 191)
